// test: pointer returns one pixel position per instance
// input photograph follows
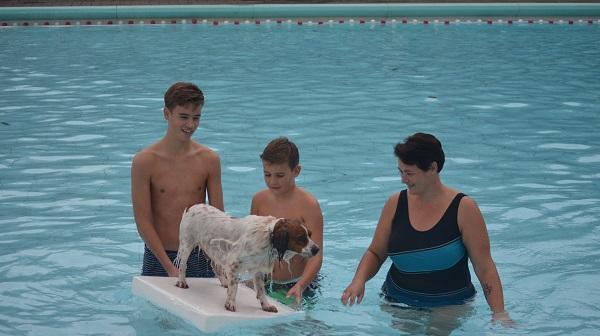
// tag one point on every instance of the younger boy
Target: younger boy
(170, 175)
(284, 199)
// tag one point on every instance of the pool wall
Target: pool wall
(261, 11)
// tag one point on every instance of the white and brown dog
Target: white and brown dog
(239, 245)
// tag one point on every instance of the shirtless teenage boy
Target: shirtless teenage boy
(283, 198)
(170, 175)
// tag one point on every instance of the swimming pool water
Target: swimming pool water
(516, 107)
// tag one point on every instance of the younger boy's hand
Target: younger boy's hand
(296, 292)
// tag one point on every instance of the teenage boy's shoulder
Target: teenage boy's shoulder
(204, 152)
(147, 156)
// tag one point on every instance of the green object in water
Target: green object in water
(281, 297)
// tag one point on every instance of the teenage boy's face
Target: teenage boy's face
(279, 177)
(183, 120)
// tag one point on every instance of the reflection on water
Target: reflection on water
(438, 321)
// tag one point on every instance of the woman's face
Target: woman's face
(413, 177)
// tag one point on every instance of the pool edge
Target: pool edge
(287, 11)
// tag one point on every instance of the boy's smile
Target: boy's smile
(184, 118)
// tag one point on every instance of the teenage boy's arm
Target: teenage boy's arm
(314, 222)
(142, 210)
(214, 189)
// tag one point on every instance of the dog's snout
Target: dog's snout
(314, 250)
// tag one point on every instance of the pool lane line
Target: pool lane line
(299, 22)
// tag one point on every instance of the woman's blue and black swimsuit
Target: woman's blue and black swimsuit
(430, 268)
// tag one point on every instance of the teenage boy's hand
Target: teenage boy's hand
(172, 271)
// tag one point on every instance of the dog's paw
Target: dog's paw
(270, 309)
(230, 306)
(182, 284)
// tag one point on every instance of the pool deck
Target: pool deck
(26, 12)
(51, 3)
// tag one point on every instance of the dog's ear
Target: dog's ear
(280, 237)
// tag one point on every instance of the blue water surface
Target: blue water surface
(516, 107)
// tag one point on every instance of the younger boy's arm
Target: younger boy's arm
(314, 222)
(254, 205)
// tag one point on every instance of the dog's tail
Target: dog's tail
(182, 224)
(184, 220)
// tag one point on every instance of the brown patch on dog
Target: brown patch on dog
(289, 234)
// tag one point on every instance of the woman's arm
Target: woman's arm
(477, 242)
(374, 256)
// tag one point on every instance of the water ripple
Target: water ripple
(5, 194)
(589, 159)
(564, 146)
(569, 203)
(521, 213)
(241, 169)
(83, 137)
(386, 179)
(60, 158)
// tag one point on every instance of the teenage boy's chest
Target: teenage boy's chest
(179, 179)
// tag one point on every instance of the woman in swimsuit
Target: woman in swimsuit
(429, 231)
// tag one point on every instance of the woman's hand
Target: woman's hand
(353, 293)
(504, 319)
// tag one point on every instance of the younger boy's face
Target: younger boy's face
(279, 177)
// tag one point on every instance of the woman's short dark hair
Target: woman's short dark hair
(421, 149)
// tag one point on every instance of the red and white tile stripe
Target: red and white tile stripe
(300, 22)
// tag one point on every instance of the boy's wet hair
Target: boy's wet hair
(421, 149)
(183, 94)
(281, 150)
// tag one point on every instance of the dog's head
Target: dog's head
(291, 237)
